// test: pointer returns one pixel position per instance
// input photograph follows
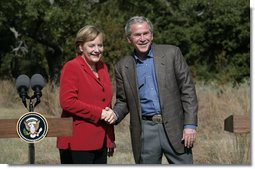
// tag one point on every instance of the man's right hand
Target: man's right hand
(108, 115)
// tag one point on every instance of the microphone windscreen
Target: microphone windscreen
(22, 81)
(37, 81)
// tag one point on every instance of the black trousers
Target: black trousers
(83, 157)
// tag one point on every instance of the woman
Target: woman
(85, 90)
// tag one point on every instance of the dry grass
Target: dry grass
(213, 146)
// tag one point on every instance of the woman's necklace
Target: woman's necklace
(94, 70)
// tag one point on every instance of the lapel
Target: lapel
(159, 63)
(130, 67)
(89, 72)
(131, 75)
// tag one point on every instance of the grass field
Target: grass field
(213, 146)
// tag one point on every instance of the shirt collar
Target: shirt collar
(149, 55)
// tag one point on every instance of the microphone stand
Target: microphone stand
(31, 146)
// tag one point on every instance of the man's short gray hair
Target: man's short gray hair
(134, 20)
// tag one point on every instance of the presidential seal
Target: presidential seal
(32, 127)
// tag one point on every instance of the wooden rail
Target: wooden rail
(56, 127)
(237, 124)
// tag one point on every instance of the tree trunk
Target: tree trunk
(54, 60)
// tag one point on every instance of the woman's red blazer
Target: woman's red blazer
(83, 96)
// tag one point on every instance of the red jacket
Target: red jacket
(83, 96)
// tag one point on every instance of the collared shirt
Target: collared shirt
(147, 84)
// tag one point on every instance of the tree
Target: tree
(44, 26)
(38, 35)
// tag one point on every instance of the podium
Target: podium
(32, 126)
(56, 127)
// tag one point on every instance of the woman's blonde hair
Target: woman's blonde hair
(86, 34)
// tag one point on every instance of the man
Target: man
(154, 84)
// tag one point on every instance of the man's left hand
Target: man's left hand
(189, 137)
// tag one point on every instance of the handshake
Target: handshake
(108, 115)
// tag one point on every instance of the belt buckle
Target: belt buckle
(157, 119)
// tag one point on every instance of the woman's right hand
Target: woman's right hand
(108, 115)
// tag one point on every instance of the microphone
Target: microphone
(37, 84)
(22, 85)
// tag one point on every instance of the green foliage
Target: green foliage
(43, 26)
(112, 24)
(213, 35)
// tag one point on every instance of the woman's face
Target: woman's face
(92, 50)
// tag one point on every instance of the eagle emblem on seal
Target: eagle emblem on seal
(32, 127)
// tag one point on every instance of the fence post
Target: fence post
(240, 126)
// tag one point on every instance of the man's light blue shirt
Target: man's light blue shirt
(147, 84)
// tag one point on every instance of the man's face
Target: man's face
(141, 38)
